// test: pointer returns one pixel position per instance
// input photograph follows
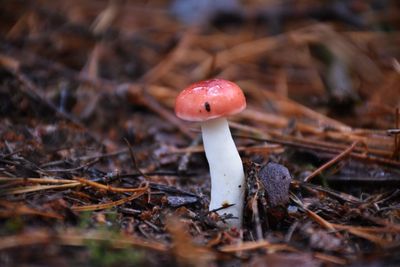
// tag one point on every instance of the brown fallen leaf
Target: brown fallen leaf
(186, 252)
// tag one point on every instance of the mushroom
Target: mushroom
(209, 102)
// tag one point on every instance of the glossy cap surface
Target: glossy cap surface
(209, 99)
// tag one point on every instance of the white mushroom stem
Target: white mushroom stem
(226, 169)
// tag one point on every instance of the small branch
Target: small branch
(108, 205)
(111, 188)
(331, 162)
(356, 155)
(35, 188)
(38, 180)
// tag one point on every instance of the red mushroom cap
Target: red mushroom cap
(209, 99)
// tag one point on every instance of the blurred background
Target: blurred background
(340, 57)
(85, 83)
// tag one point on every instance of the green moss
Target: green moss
(85, 219)
(102, 254)
(12, 226)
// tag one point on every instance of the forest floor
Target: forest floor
(97, 170)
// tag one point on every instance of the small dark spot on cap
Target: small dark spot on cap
(225, 204)
(240, 186)
(207, 106)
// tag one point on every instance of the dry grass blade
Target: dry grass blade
(338, 195)
(289, 108)
(36, 188)
(111, 204)
(330, 258)
(256, 245)
(175, 55)
(38, 180)
(385, 229)
(111, 188)
(314, 147)
(185, 251)
(17, 209)
(105, 18)
(255, 148)
(241, 51)
(313, 215)
(331, 162)
(25, 239)
(74, 238)
(373, 238)
(357, 231)
(321, 221)
(370, 233)
(9, 62)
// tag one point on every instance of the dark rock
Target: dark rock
(276, 181)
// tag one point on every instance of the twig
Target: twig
(108, 204)
(133, 159)
(329, 258)
(111, 188)
(359, 156)
(357, 231)
(17, 209)
(87, 164)
(257, 245)
(339, 195)
(321, 221)
(85, 158)
(29, 189)
(331, 162)
(37, 180)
